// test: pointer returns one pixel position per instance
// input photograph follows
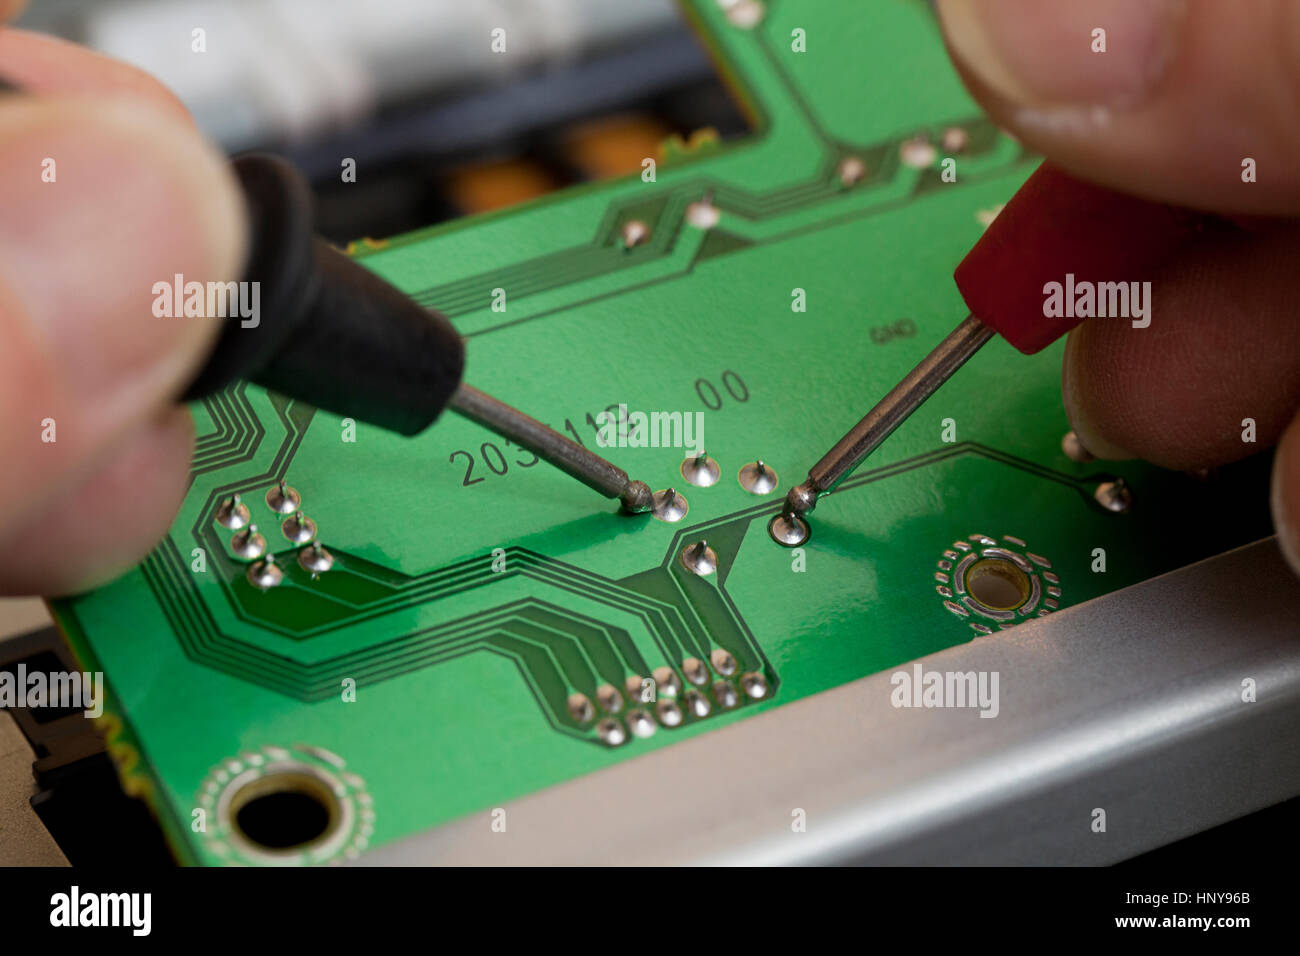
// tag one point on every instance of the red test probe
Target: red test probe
(1053, 227)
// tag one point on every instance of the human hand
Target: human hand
(1182, 96)
(136, 197)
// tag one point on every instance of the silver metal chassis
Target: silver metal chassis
(1131, 703)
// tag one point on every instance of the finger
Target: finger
(107, 523)
(11, 8)
(1184, 93)
(133, 198)
(1286, 494)
(1218, 366)
(36, 63)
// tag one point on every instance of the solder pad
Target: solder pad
(474, 590)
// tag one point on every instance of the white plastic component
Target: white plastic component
(282, 70)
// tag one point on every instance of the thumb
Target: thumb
(98, 201)
(1179, 100)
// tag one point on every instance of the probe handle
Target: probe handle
(328, 331)
(1057, 225)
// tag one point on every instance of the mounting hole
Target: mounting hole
(285, 811)
(998, 584)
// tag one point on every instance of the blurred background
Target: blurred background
(439, 124)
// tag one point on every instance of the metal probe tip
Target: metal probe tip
(637, 497)
(546, 443)
(801, 499)
(877, 425)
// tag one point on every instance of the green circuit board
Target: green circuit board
(781, 284)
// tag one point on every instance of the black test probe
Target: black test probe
(335, 335)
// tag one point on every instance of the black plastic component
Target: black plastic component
(329, 331)
(78, 798)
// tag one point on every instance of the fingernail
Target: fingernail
(101, 202)
(1109, 53)
(1072, 395)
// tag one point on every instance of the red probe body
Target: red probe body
(1056, 229)
(1057, 225)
